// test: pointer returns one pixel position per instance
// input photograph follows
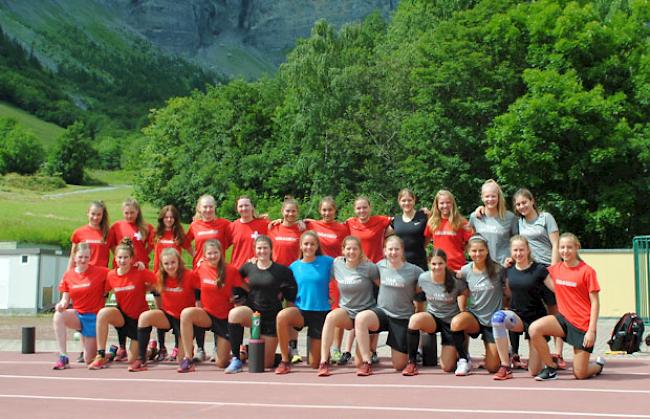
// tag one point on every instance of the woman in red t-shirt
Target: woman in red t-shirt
(84, 284)
(218, 283)
(95, 234)
(449, 230)
(286, 234)
(370, 229)
(176, 288)
(576, 290)
(206, 226)
(130, 286)
(137, 230)
(169, 234)
(245, 230)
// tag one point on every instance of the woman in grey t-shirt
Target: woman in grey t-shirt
(356, 277)
(486, 284)
(443, 293)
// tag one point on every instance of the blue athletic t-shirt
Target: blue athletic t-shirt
(313, 283)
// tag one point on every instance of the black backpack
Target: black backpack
(627, 334)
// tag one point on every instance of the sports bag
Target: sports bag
(627, 334)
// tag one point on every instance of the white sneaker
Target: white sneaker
(463, 367)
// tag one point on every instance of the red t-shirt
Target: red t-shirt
(330, 235)
(99, 249)
(141, 245)
(130, 290)
(371, 233)
(286, 243)
(201, 231)
(243, 239)
(572, 288)
(176, 297)
(453, 242)
(87, 289)
(164, 242)
(216, 301)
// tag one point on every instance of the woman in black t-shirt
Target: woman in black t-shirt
(525, 281)
(410, 226)
(269, 284)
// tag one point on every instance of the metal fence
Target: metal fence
(641, 245)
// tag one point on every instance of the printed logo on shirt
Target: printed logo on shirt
(207, 232)
(208, 281)
(89, 241)
(85, 285)
(444, 233)
(287, 239)
(417, 223)
(137, 236)
(176, 289)
(123, 289)
(389, 282)
(255, 234)
(484, 286)
(326, 235)
(566, 283)
(440, 297)
(161, 241)
(349, 281)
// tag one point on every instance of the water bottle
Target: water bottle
(256, 320)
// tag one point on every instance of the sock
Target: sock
(161, 338)
(121, 338)
(459, 343)
(236, 332)
(293, 344)
(412, 341)
(176, 343)
(514, 341)
(101, 352)
(143, 339)
(199, 335)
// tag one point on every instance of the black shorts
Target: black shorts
(175, 324)
(268, 323)
(130, 327)
(484, 331)
(397, 330)
(572, 335)
(313, 321)
(444, 329)
(219, 326)
(527, 321)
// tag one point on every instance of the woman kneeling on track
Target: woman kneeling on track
(130, 287)
(356, 277)
(485, 282)
(443, 293)
(312, 273)
(220, 284)
(269, 284)
(525, 282)
(576, 291)
(85, 285)
(398, 280)
(176, 286)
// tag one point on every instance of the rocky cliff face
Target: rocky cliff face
(238, 36)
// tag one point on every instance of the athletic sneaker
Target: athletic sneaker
(295, 356)
(345, 358)
(111, 353)
(81, 359)
(161, 355)
(324, 369)
(365, 369)
(199, 356)
(283, 368)
(547, 373)
(137, 366)
(186, 365)
(98, 363)
(234, 367)
(172, 357)
(121, 355)
(374, 358)
(62, 363)
(517, 363)
(463, 367)
(243, 352)
(601, 361)
(152, 350)
(411, 369)
(418, 357)
(504, 373)
(336, 355)
(561, 363)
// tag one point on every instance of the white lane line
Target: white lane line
(332, 385)
(331, 407)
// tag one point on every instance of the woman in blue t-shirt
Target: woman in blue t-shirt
(312, 273)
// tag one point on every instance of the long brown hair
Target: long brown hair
(310, 233)
(177, 229)
(143, 228)
(491, 267)
(221, 265)
(104, 224)
(450, 276)
(162, 274)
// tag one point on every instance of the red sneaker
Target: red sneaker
(410, 370)
(283, 368)
(504, 373)
(365, 369)
(517, 363)
(561, 363)
(98, 363)
(324, 369)
(121, 355)
(137, 366)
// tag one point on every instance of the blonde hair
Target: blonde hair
(197, 213)
(398, 239)
(575, 240)
(143, 228)
(406, 191)
(163, 275)
(520, 238)
(501, 203)
(456, 221)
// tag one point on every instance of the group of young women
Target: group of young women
(366, 275)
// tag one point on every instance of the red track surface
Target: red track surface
(29, 388)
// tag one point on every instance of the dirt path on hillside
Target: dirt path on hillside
(84, 191)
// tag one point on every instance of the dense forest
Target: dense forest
(552, 95)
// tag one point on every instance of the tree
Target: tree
(69, 156)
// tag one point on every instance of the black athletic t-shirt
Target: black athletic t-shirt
(268, 286)
(526, 287)
(413, 235)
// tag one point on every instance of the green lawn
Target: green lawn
(46, 132)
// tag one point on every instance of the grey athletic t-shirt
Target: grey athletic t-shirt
(486, 294)
(397, 289)
(537, 232)
(440, 303)
(355, 286)
(497, 232)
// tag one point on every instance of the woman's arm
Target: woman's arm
(462, 300)
(63, 304)
(555, 246)
(549, 283)
(590, 336)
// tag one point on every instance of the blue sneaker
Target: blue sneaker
(234, 367)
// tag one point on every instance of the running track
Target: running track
(29, 388)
